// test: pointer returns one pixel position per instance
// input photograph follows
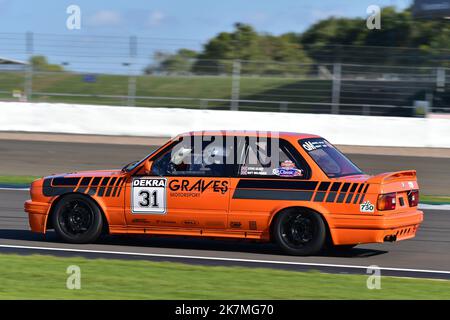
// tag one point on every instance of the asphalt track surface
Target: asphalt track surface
(40, 158)
(426, 256)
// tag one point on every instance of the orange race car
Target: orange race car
(295, 189)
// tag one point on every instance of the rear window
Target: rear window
(328, 158)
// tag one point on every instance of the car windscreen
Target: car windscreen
(328, 158)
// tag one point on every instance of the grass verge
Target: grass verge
(45, 277)
(17, 180)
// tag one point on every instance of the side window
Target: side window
(204, 158)
(275, 158)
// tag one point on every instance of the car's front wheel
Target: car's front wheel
(299, 232)
(77, 219)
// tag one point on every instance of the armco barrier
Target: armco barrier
(108, 120)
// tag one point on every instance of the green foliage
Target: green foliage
(244, 44)
(416, 41)
(40, 63)
(179, 63)
(402, 40)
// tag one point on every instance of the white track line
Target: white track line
(16, 189)
(175, 256)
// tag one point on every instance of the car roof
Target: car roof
(251, 133)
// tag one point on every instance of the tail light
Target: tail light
(413, 198)
(386, 201)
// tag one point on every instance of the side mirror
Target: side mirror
(147, 167)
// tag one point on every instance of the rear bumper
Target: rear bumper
(351, 229)
(37, 215)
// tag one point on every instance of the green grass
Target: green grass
(17, 180)
(200, 87)
(434, 199)
(44, 277)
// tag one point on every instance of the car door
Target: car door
(258, 186)
(184, 190)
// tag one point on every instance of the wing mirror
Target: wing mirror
(147, 167)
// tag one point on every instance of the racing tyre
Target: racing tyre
(77, 219)
(299, 232)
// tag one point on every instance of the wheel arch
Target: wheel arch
(49, 225)
(292, 208)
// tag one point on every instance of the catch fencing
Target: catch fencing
(126, 72)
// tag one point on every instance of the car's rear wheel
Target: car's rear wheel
(299, 232)
(77, 219)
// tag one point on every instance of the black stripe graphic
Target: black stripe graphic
(321, 191)
(324, 186)
(359, 193)
(93, 189)
(83, 184)
(335, 186)
(351, 193)
(110, 186)
(364, 193)
(276, 184)
(116, 186)
(121, 187)
(67, 182)
(345, 187)
(50, 190)
(333, 191)
(102, 188)
(320, 195)
(272, 194)
(343, 192)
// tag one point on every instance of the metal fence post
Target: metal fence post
(131, 74)
(235, 85)
(29, 47)
(336, 93)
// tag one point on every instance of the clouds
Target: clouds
(105, 18)
(111, 18)
(156, 18)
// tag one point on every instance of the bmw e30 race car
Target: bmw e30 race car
(295, 189)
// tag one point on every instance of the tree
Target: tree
(253, 49)
(401, 40)
(40, 63)
(177, 63)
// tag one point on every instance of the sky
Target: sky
(180, 23)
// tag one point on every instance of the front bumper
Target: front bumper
(37, 215)
(351, 229)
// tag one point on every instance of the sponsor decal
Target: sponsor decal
(235, 224)
(258, 171)
(165, 222)
(411, 184)
(288, 169)
(366, 207)
(148, 195)
(313, 145)
(190, 222)
(198, 186)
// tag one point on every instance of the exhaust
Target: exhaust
(391, 238)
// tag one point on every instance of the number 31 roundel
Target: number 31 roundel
(148, 195)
